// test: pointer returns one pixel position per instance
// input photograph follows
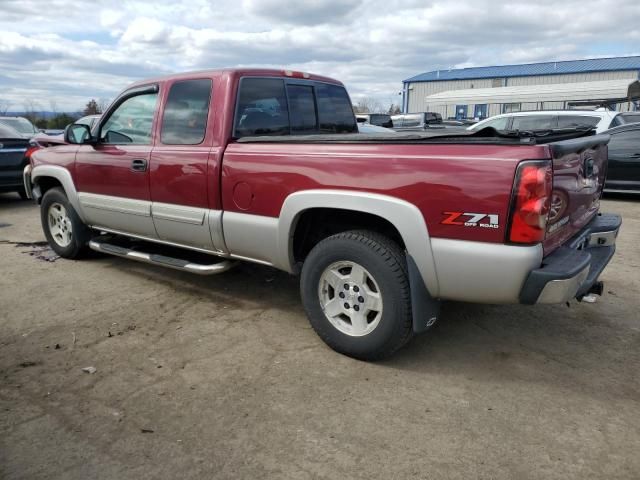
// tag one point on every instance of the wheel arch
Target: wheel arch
(45, 177)
(405, 218)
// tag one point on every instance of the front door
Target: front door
(113, 175)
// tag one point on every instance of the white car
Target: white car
(602, 119)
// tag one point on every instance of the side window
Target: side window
(184, 121)
(625, 143)
(568, 121)
(131, 122)
(534, 122)
(335, 113)
(497, 123)
(262, 108)
(302, 109)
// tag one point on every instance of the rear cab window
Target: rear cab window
(277, 106)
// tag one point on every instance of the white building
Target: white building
(481, 92)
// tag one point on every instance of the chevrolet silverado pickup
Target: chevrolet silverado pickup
(199, 171)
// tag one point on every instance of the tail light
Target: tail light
(531, 201)
(33, 146)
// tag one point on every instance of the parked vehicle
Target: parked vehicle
(89, 120)
(623, 173)
(21, 125)
(625, 118)
(379, 119)
(14, 151)
(266, 166)
(416, 121)
(601, 119)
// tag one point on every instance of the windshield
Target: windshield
(21, 125)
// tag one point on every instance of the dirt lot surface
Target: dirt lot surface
(222, 377)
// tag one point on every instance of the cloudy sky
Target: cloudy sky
(70, 51)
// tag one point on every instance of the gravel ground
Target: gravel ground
(223, 377)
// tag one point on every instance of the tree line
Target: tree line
(54, 120)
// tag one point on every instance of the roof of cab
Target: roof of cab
(236, 73)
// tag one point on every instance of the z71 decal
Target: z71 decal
(464, 219)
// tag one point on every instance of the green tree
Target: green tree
(92, 108)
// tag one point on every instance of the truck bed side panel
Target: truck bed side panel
(467, 179)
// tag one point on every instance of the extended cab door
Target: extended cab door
(184, 168)
(112, 175)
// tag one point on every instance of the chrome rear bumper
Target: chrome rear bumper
(573, 269)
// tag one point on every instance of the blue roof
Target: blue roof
(531, 69)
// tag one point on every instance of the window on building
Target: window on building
(184, 120)
(511, 107)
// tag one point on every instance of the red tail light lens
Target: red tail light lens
(532, 197)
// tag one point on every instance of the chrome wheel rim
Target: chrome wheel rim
(556, 207)
(59, 225)
(350, 298)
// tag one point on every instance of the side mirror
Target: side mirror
(77, 134)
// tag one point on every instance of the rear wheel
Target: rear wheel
(65, 232)
(355, 291)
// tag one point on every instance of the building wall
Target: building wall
(419, 90)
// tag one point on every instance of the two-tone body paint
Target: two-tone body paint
(229, 197)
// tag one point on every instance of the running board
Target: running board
(161, 260)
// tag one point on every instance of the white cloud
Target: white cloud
(72, 51)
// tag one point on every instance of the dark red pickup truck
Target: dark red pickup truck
(196, 171)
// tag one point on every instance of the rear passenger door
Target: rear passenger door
(183, 188)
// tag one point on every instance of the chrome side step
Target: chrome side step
(161, 260)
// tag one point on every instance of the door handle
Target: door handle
(139, 165)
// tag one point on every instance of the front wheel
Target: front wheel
(355, 290)
(65, 232)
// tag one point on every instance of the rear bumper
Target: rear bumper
(573, 269)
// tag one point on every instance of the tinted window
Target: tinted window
(262, 108)
(628, 118)
(19, 124)
(132, 121)
(302, 109)
(184, 121)
(335, 112)
(381, 120)
(534, 122)
(625, 143)
(568, 121)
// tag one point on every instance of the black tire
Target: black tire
(386, 262)
(80, 233)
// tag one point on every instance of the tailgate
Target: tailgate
(579, 171)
